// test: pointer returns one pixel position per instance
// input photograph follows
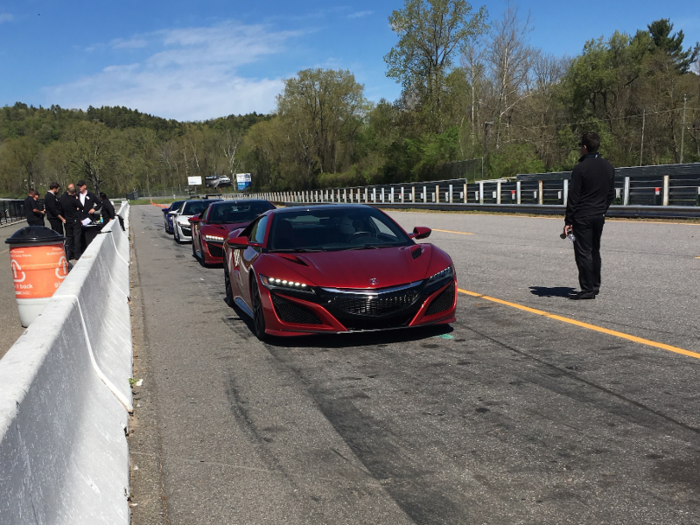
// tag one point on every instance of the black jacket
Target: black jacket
(53, 208)
(107, 210)
(70, 205)
(31, 207)
(592, 188)
(91, 202)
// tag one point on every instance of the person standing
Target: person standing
(107, 210)
(88, 200)
(53, 208)
(591, 192)
(72, 213)
(32, 210)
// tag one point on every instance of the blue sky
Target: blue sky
(196, 60)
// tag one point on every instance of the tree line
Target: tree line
(472, 88)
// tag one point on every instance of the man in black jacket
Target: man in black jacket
(32, 210)
(591, 192)
(88, 200)
(53, 208)
(72, 213)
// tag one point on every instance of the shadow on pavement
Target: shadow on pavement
(555, 291)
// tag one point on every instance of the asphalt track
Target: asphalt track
(529, 409)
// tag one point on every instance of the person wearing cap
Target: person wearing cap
(88, 200)
(53, 208)
(32, 209)
(591, 192)
(72, 213)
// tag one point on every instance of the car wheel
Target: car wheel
(227, 287)
(176, 236)
(258, 315)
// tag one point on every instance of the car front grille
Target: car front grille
(215, 250)
(443, 301)
(291, 312)
(375, 303)
(187, 231)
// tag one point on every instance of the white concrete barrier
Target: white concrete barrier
(64, 387)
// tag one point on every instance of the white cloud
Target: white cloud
(191, 76)
(6, 17)
(360, 14)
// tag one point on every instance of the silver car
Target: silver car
(182, 229)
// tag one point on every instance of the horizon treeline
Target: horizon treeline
(472, 88)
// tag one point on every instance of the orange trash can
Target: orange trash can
(39, 266)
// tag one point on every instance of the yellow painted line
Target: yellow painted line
(588, 326)
(449, 231)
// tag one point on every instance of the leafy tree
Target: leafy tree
(431, 34)
(672, 45)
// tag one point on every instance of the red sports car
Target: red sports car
(212, 226)
(336, 268)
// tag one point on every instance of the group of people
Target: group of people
(68, 213)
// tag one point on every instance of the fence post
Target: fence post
(413, 194)
(425, 194)
(667, 189)
(366, 194)
(451, 199)
(401, 194)
(374, 194)
(437, 193)
(626, 196)
(540, 197)
(498, 192)
(465, 193)
(566, 191)
(481, 192)
(382, 195)
(518, 192)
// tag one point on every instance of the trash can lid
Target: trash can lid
(35, 235)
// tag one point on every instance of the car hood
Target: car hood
(225, 228)
(355, 268)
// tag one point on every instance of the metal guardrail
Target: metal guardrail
(643, 192)
(11, 210)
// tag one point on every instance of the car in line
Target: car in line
(211, 227)
(336, 269)
(167, 216)
(182, 231)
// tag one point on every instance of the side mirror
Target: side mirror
(194, 219)
(237, 242)
(420, 232)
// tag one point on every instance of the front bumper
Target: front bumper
(327, 310)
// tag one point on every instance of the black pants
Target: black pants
(587, 249)
(74, 239)
(56, 225)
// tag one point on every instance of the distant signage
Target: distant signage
(194, 181)
(243, 181)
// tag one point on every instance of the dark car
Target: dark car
(168, 218)
(334, 269)
(211, 227)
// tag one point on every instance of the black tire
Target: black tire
(227, 286)
(258, 316)
(176, 236)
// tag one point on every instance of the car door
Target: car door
(247, 256)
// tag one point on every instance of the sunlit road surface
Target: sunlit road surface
(529, 409)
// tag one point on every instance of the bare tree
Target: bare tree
(510, 59)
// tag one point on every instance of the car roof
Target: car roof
(293, 209)
(242, 201)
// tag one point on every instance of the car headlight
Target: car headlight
(441, 275)
(214, 238)
(272, 283)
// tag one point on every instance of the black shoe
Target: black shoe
(579, 296)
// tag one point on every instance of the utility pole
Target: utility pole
(641, 149)
(685, 98)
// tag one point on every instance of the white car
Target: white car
(182, 229)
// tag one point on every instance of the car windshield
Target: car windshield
(237, 211)
(195, 207)
(333, 229)
(175, 205)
